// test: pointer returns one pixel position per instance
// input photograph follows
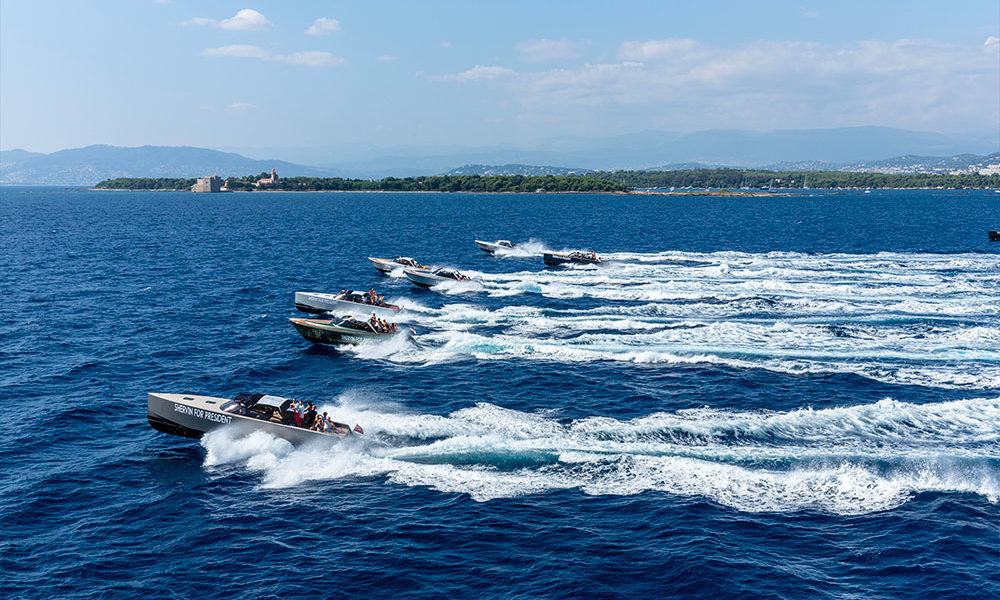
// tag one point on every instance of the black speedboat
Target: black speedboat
(554, 259)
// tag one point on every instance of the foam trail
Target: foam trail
(846, 460)
(528, 249)
(913, 319)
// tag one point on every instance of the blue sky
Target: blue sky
(309, 74)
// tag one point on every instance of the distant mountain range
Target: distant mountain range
(515, 169)
(852, 148)
(87, 166)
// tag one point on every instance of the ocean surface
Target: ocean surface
(794, 397)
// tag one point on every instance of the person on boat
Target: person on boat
(297, 408)
(310, 416)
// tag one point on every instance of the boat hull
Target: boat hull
(193, 416)
(424, 279)
(319, 333)
(486, 247)
(493, 247)
(385, 265)
(994, 236)
(554, 260)
(315, 303)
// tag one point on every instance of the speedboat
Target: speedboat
(329, 329)
(994, 236)
(491, 247)
(388, 265)
(554, 259)
(428, 279)
(346, 302)
(193, 416)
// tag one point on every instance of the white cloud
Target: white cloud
(323, 26)
(240, 107)
(657, 49)
(244, 20)
(199, 21)
(237, 50)
(312, 58)
(546, 49)
(445, 44)
(685, 84)
(309, 58)
(479, 73)
(386, 58)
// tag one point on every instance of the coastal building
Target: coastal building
(268, 180)
(990, 170)
(208, 184)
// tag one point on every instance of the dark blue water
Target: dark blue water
(792, 397)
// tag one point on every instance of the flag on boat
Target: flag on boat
(358, 429)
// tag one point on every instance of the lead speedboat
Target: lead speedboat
(554, 259)
(388, 265)
(193, 416)
(492, 247)
(330, 329)
(347, 302)
(430, 279)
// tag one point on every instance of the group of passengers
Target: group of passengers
(369, 297)
(380, 326)
(307, 417)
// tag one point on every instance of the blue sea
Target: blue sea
(781, 398)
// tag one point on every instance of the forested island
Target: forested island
(600, 181)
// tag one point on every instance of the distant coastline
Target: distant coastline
(722, 182)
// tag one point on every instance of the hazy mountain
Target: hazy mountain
(87, 166)
(808, 148)
(926, 164)
(514, 169)
(649, 149)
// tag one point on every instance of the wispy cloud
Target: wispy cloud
(905, 83)
(387, 58)
(546, 49)
(237, 50)
(240, 107)
(310, 58)
(246, 19)
(477, 73)
(323, 26)
(445, 44)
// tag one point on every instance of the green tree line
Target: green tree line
(760, 179)
(436, 183)
(602, 181)
(146, 183)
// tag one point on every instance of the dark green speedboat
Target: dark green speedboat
(345, 330)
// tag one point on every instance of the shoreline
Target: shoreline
(719, 193)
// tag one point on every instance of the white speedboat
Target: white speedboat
(193, 416)
(428, 279)
(347, 302)
(492, 247)
(388, 265)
